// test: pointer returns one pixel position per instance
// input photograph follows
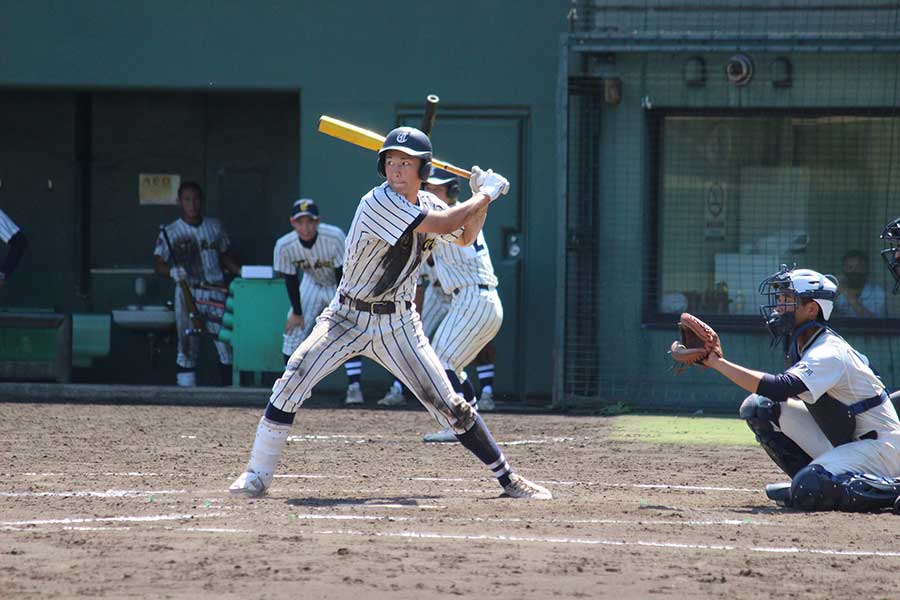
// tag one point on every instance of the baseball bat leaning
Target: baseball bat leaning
(431, 103)
(194, 317)
(372, 141)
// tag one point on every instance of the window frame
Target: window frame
(652, 318)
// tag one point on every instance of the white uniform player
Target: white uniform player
(395, 227)
(13, 236)
(436, 299)
(827, 420)
(201, 246)
(316, 250)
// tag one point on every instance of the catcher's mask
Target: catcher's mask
(891, 235)
(783, 291)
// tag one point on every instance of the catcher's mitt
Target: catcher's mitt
(697, 341)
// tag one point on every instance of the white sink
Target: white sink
(145, 318)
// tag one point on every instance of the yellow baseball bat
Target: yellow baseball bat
(370, 140)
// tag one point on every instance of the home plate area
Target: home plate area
(131, 501)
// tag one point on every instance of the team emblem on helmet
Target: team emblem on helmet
(402, 137)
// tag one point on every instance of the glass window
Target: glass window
(740, 195)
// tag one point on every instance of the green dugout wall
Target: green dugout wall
(229, 93)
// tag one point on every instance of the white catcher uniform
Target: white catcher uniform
(476, 312)
(829, 365)
(435, 300)
(319, 282)
(197, 249)
(381, 264)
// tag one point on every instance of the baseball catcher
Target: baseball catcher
(826, 420)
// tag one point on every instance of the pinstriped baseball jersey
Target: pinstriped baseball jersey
(7, 227)
(383, 252)
(317, 262)
(197, 249)
(459, 266)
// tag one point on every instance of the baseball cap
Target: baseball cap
(304, 207)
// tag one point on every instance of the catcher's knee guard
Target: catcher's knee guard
(762, 415)
(814, 488)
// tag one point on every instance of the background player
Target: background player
(201, 250)
(17, 242)
(316, 249)
(395, 227)
(476, 312)
(826, 421)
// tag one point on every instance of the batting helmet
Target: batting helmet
(411, 141)
(442, 177)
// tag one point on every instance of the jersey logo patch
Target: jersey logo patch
(802, 367)
(428, 245)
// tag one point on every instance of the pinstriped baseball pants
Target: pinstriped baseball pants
(474, 319)
(435, 306)
(394, 341)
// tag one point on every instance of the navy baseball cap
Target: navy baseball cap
(440, 177)
(305, 207)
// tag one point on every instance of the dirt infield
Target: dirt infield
(130, 501)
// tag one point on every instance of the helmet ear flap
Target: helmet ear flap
(424, 169)
(380, 167)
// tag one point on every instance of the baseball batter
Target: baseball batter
(17, 242)
(826, 421)
(201, 249)
(317, 251)
(395, 228)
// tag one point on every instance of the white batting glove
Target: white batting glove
(494, 184)
(476, 179)
(178, 274)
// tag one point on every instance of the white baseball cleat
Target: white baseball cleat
(354, 394)
(486, 402)
(442, 436)
(519, 487)
(248, 485)
(394, 397)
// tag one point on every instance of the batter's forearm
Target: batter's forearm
(472, 228)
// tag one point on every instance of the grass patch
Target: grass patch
(682, 430)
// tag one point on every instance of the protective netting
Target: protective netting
(708, 143)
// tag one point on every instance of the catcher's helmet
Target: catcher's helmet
(891, 235)
(802, 283)
(442, 177)
(411, 141)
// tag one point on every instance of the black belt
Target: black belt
(481, 286)
(373, 308)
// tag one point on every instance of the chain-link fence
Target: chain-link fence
(705, 145)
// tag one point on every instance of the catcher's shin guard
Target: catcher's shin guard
(761, 415)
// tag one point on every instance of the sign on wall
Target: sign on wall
(158, 188)
(714, 210)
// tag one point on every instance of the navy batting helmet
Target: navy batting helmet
(411, 141)
(442, 177)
